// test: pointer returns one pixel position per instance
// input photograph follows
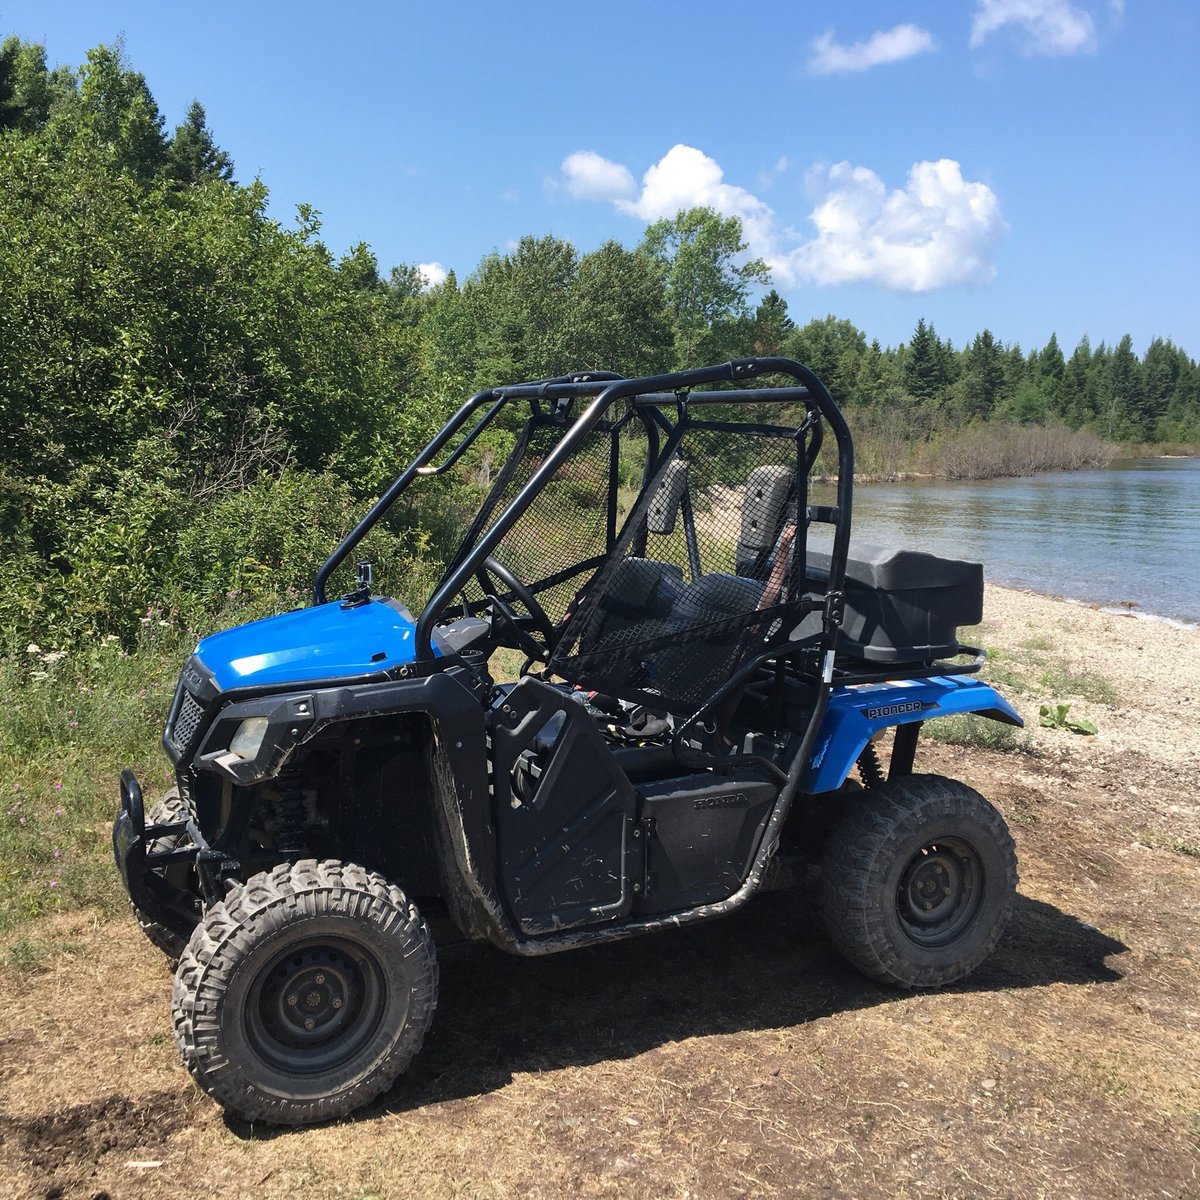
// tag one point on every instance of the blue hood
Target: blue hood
(323, 642)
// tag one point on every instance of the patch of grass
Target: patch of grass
(1039, 642)
(69, 724)
(998, 672)
(1156, 838)
(1088, 685)
(1020, 814)
(979, 733)
(1108, 1072)
(30, 955)
(505, 664)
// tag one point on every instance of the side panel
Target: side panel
(565, 842)
(702, 832)
(857, 712)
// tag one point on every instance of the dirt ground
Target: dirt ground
(739, 1058)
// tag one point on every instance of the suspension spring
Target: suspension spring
(869, 769)
(291, 814)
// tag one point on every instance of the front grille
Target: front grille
(187, 719)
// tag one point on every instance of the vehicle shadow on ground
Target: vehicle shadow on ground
(767, 967)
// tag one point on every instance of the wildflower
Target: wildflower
(53, 656)
(33, 648)
(60, 811)
(58, 787)
(20, 820)
(58, 854)
(53, 883)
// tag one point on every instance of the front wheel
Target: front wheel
(305, 993)
(918, 881)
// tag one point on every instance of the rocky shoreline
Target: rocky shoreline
(1138, 681)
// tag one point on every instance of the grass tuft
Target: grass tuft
(1059, 679)
(979, 733)
(69, 724)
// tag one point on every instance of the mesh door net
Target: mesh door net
(703, 576)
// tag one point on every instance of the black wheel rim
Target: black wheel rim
(940, 892)
(315, 1005)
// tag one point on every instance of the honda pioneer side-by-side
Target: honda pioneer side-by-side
(708, 662)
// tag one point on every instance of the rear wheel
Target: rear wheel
(918, 881)
(304, 993)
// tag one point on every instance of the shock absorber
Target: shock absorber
(291, 820)
(869, 769)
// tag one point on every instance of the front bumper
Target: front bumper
(153, 889)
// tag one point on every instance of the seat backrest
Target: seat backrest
(636, 603)
(763, 509)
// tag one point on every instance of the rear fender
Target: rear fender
(859, 711)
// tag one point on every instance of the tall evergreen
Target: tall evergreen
(1050, 369)
(983, 376)
(771, 324)
(193, 156)
(925, 372)
(1079, 395)
(1127, 416)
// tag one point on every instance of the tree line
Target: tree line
(196, 398)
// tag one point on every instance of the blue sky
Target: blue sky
(1031, 166)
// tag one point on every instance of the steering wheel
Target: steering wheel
(492, 570)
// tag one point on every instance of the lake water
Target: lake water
(1127, 533)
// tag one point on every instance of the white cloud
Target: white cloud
(936, 231)
(590, 176)
(432, 273)
(1045, 26)
(687, 178)
(884, 46)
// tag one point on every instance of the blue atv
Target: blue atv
(707, 665)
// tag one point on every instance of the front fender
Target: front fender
(858, 711)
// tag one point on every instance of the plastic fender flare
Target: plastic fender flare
(859, 711)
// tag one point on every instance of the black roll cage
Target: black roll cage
(605, 389)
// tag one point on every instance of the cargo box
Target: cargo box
(904, 606)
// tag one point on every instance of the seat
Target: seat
(635, 606)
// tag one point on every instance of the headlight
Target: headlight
(249, 737)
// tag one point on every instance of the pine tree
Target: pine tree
(1050, 370)
(925, 372)
(1078, 395)
(1127, 415)
(771, 324)
(193, 156)
(983, 376)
